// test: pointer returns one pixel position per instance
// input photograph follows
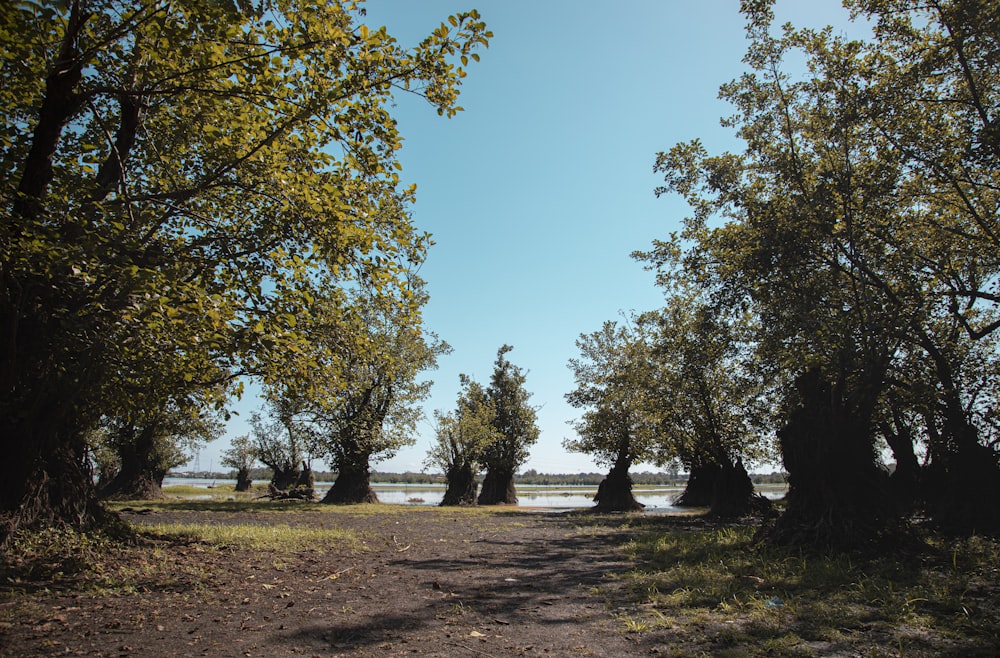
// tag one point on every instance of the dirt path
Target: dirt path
(431, 584)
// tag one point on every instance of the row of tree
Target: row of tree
(492, 429)
(834, 292)
(193, 194)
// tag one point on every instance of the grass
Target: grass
(715, 590)
(277, 539)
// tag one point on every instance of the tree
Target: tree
(360, 402)
(935, 97)
(515, 422)
(181, 171)
(241, 456)
(614, 382)
(823, 239)
(280, 440)
(710, 401)
(460, 438)
(149, 445)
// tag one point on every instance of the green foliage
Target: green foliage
(709, 398)
(360, 404)
(181, 182)
(461, 436)
(857, 228)
(615, 384)
(514, 419)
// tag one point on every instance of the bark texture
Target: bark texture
(462, 486)
(498, 489)
(352, 486)
(614, 493)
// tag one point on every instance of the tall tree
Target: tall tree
(515, 423)
(360, 400)
(149, 445)
(710, 401)
(241, 457)
(614, 386)
(280, 442)
(460, 438)
(824, 239)
(186, 167)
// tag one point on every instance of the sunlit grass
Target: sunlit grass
(719, 589)
(274, 538)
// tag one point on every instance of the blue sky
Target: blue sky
(537, 194)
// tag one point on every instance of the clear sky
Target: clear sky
(537, 194)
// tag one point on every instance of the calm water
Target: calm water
(546, 497)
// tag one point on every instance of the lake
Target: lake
(547, 497)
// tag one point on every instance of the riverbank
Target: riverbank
(554, 497)
(258, 578)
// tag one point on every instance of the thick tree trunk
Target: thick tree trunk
(614, 493)
(243, 481)
(700, 486)
(963, 479)
(733, 495)
(48, 485)
(284, 478)
(725, 488)
(135, 482)
(141, 474)
(44, 477)
(352, 486)
(904, 481)
(462, 486)
(837, 493)
(498, 489)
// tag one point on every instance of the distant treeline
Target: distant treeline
(528, 477)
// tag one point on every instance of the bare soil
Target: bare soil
(421, 583)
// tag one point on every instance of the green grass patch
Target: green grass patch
(716, 589)
(273, 538)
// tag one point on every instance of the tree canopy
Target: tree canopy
(180, 180)
(852, 228)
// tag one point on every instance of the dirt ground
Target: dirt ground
(429, 584)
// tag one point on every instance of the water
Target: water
(547, 497)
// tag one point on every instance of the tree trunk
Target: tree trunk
(725, 488)
(614, 493)
(904, 481)
(243, 481)
(963, 481)
(141, 474)
(48, 485)
(462, 486)
(353, 485)
(700, 486)
(498, 489)
(733, 494)
(284, 478)
(837, 493)
(44, 476)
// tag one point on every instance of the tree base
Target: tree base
(243, 481)
(60, 493)
(350, 489)
(614, 494)
(135, 485)
(961, 498)
(498, 489)
(462, 487)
